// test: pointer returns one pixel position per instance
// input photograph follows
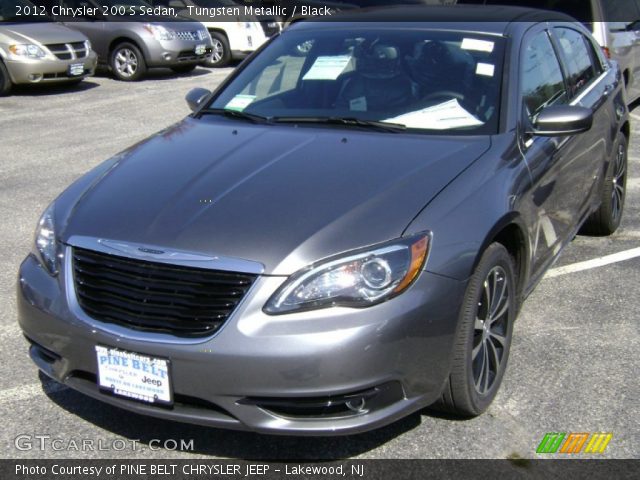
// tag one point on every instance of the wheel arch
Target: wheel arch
(123, 39)
(510, 232)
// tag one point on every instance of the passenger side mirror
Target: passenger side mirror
(195, 97)
(559, 120)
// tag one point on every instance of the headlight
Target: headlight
(87, 46)
(27, 50)
(46, 246)
(159, 32)
(359, 279)
(203, 35)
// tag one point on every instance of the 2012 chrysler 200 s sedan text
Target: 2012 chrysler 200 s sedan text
(340, 234)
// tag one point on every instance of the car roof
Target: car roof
(495, 19)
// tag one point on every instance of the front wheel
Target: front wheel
(221, 52)
(606, 219)
(483, 339)
(5, 80)
(127, 62)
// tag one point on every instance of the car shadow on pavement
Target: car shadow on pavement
(157, 74)
(45, 89)
(218, 442)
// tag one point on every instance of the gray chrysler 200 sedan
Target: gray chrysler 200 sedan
(334, 239)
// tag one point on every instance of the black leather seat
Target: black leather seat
(378, 83)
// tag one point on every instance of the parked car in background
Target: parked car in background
(33, 49)
(334, 240)
(615, 24)
(232, 38)
(130, 48)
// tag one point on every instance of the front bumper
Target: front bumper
(45, 71)
(169, 53)
(400, 349)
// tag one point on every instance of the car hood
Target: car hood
(41, 32)
(276, 194)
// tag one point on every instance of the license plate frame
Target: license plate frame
(75, 69)
(134, 375)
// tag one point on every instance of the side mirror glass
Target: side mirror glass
(559, 120)
(195, 97)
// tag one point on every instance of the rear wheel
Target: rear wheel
(606, 219)
(483, 339)
(184, 68)
(5, 80)
(221, 52)
(127, 62)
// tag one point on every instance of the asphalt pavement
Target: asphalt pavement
(574, 361)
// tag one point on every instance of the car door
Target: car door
(556, 164)
(590, 86)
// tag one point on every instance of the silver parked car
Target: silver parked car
(130, 48)
(39, 51)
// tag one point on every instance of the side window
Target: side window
(578, 59)
(541, 79)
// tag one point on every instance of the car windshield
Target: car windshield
(419, 79)
(21, 11)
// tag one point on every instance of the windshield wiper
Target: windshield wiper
(350, 121)
(252, 117)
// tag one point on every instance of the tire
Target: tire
(483, 337)
(5, 80)
(127, 62)
(184, 68)
(606, 219)
(221, 54)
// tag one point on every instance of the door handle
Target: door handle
(608, 89)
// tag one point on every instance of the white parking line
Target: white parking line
(594, 263)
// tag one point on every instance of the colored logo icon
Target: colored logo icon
(572, 443)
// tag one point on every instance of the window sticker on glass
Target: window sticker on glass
(485, 69)
(447, 115)
(477, 45)
(358, 104)
(327, 68)
(240, 102)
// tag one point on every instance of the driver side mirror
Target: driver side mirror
(560, 120)
(195, 97)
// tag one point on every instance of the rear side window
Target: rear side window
(541, 81)
(578, 59)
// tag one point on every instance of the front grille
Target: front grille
(67, 51)
(156, 297)
(189, 35)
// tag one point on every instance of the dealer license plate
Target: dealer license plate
(201, 49)
(133, 375)
(76, 69)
